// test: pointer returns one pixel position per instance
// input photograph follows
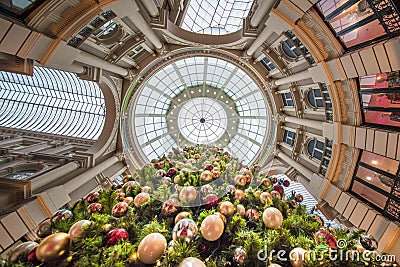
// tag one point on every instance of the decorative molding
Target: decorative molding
(310, 40)
(341, 99)
(29, 44)
(49, 51)
(336, 163)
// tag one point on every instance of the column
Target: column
(304, 122)
(261, 38)
(97, 62)
(80, 180)
(145, 28)
(299, 168)
(151, 7)
(302, 75)
(260, 12)
(48, 177)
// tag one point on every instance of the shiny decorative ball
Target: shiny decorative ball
(274, 265)
(141, 199)
(31, 257)
(77, 229)
(21, 250)
(241, 210)
(368, 242)
(299, 198)
(160, 173)
(206, 189)
(266, 182)
(107, 227)
(211, 200)
(252, 215)
(53, 247)
(360, 248)
(146, 189)
(212, 228)
(324, 236)
(286, 183)
(151, 248)
(206, 176)
(230, 189)
(239, 255)
(265, 197)
(275, 194)
(191, 262)
(120, 196)
(274, 180)
(257, 193)
(120, 209)
(171, 172)
(128, 200)
(44, 228)
(226, 208)
(279, 189)
(170, 206)
(272, 218)
(297, 256)
(240, 180)
(239, 195)
(167, 180)
(126, 178)
(179, 165)
(181, 215)
(209, 167)
(94, 207)
(188, 194)
(196, 156)
(216, 174)
(129, 186)
(114, 236)
(92, 197)
(229, 167)
(222, 216)
(185, 229)
(61, 215)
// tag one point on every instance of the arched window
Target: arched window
(20, 175)
(290, 50)
(315, 99)
(315, 149)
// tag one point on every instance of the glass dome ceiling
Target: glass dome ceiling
(169, 108)
(215, 17)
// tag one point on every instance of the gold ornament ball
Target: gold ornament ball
(272, 218)
(206, 176)
(226, 208)
(257, 193)
(241, 210)
(297, 256)
(212, 228)
(274, 265)
(151, 248)
(266, 182)
(53, 247)
(77, 229)
(275, 194)
(191, 262)
(265, 196)
(128, 200)
(240, 180)
(182, 215)
(239, 195)
(107, 227)
(141, 199)
(188, 194)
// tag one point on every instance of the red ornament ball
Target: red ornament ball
(114, 236)
(279, 189)
(171, 172)
(286, 183)
(328, 238)
(170, 206)
(92, 197)
(211, 200)
(120, 209)
(94, 207)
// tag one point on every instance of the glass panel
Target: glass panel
(380, 162)
(363, 34)
(369, 194)
(380, 80)
(379, 180)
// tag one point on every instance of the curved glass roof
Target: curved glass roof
(51, 101)
(187, 82)
(202, 120)
(215, 17)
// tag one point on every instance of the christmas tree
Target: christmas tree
(194, 207)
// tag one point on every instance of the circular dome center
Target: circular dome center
(202, 120)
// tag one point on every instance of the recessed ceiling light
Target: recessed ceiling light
(374, 162)
(369, 178)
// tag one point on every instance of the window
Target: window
(215, 17)
(376, 180)
(20, 175)
(289, 137)
(19, 8)
(356, 23)
(315, 149)
(268, 64)
(290, 50)
(380, 99)
(287, 99)
(315, 99)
